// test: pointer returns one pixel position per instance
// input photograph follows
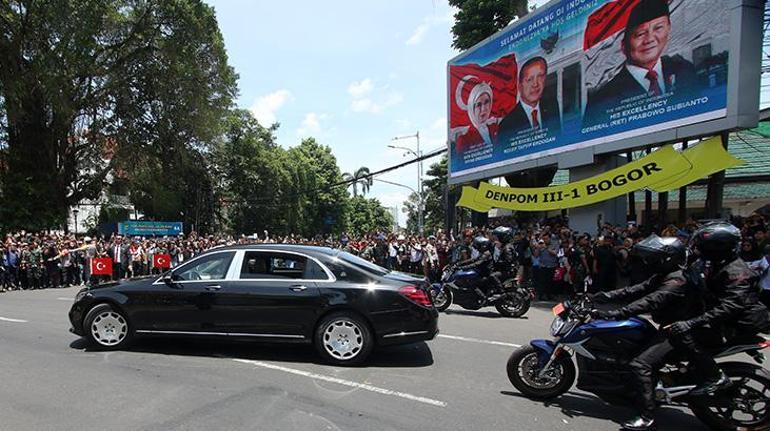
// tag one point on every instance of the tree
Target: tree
(476, 20)
(434, 200)
(368, 215)
(88, 86)
(360, 176)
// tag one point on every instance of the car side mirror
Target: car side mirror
(168, 278)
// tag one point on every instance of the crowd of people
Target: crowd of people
(554, 258)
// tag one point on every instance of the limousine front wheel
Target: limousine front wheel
(107, 328)
(344, 339)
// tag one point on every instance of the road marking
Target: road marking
(349, 383)
(6, 319)
(65, 299)
(476, 340)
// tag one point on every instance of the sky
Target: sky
(353, 75)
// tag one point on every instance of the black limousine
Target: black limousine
(342, 304)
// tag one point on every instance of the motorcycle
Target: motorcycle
(461, 287)
(544, 369)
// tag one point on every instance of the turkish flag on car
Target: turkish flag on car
(101, 266)
(161, 261)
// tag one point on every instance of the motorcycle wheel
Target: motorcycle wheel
(746, 407)
(443, 299)
(514, 304)
(523, 369)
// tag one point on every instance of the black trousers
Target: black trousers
(644, 368)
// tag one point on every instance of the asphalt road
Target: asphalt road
(50, 381)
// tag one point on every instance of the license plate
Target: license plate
(558, 309)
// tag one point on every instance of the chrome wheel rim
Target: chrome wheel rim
(529, 371)
(343, 339)
(439, 298)
(109, 328)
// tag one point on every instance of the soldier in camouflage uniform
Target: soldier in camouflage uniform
(35, 266)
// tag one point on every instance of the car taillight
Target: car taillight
(416, 295)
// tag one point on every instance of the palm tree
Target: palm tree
(360, 176)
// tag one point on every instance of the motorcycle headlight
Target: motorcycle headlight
(557, 325)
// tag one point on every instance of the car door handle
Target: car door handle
(213, 287)
(298, 288)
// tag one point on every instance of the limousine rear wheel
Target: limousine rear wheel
(344, 339)
(107, 328)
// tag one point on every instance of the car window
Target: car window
(362, 264)
(260, 264)
(314, 271)
(209, 267)
(344, 271)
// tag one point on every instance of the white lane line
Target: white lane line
(476, 340)
(349, 383)
(65, 299)
(6, 319)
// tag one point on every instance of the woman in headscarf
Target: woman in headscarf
(483, 129)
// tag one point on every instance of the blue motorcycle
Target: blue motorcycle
(463, 287)
(544, 369)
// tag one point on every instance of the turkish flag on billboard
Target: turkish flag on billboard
(606, 21)
(101, 266)
(499, 74)
(161, 261)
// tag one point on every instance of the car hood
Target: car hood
(137, 281)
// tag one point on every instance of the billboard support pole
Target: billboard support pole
(716, 188)
(631, 196)
(682, 217)
(647, 203)
(663, 209)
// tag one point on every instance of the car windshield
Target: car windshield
(362, 264)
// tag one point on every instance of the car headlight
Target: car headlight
(80, 295)
(557, 325)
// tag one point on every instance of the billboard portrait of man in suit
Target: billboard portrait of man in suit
(532, 112)
(646, 70)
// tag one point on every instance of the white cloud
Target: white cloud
(439, 124)
(311, 125)
(360, 89)
(428, 23)
(365, 105)
(419, 34)
(265, 107)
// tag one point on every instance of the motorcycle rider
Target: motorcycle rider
(484, 264)
(505, 261)
(731, 293)
(666, 296)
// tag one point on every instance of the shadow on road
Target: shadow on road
(487, 314)
(575, 405)
(406, 356)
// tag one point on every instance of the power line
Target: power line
(340, 183)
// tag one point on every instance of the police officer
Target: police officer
(505, 259)
(666, 295)
(731, 295)
(484, 264)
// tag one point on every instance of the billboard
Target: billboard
(150, 228)
(577, 74)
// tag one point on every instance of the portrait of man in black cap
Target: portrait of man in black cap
(646, 70)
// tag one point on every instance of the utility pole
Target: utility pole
(418, 154)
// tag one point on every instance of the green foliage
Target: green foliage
(368, 215)
(476, 20)
(359, 177)
(88, 87)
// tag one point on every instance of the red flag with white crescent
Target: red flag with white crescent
(101, 266)
(161, 261)
(606, 21)
(499, 74)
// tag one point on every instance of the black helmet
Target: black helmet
(717, 242)
(660, 255)
(482, 244)
(503, 233)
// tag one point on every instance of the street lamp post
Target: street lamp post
(75, 214)
(418, 154)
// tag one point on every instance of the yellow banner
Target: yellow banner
(665, 169)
